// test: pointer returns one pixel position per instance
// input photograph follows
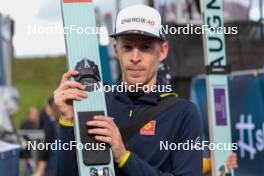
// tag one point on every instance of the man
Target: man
(48, 158)
(30, 123)
(140, 48)
(31, 119)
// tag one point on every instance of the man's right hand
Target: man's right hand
(67, 92)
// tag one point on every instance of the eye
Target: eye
(146, 47)
(127, 47)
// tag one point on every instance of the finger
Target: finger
(232, 159)
(232, 162)
(75, 91)
(103, 118)
(229, 164)
(105, 139)
(100, 131)
(71, 97)
(233, 166)
(71, 84)
(68, 96)
(234, 154)
(96, 123)
(66, 76)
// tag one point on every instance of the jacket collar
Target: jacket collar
(150, 98)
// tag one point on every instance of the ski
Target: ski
(83, 55)
(217, 70)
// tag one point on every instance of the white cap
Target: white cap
(138, 19)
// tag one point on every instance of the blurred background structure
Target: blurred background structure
(6, 48)
(32, 60)
(9, 148)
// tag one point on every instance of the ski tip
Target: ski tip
(76, 1)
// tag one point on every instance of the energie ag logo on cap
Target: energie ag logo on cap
(139, 19)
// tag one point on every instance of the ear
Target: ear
(115, 49)
(164, 51)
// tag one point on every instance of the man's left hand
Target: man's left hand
(105, 130)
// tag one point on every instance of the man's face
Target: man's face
(33, 114)
(139, 57)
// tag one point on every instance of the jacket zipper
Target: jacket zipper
(130, 112)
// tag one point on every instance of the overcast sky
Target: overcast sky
(44, 13)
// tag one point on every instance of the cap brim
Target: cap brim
(136, 32)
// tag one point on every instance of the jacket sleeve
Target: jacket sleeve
(184, 162)
(67, 162)
(49, 131)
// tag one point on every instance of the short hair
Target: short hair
(50, 100)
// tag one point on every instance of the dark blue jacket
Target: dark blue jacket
(179, 123)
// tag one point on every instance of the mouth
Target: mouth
(135, 72)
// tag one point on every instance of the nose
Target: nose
(135, 57)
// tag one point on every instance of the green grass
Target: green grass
(35, 80)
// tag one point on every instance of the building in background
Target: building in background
(9, 95)
(185, 58)
(187, 11)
